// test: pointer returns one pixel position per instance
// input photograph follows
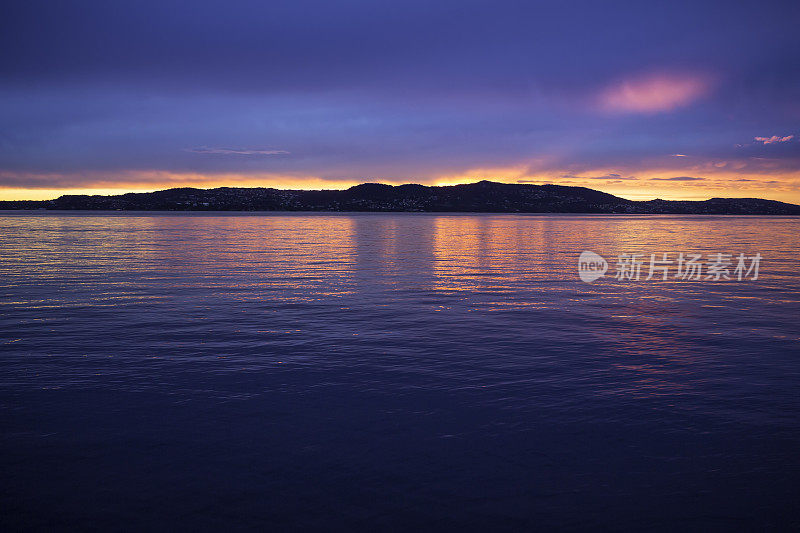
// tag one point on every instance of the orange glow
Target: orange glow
(46, 188)
(746, 178)
(718, 179)
(505, 174)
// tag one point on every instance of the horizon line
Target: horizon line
(107, 192)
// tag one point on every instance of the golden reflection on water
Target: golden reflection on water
(483, 264)
(326, 254)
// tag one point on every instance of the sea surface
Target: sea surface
(394, 372)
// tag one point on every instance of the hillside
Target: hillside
(484, 196)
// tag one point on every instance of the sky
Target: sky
(674, 99)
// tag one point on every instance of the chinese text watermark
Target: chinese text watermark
(664, 266)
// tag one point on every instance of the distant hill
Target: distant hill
(481, 197)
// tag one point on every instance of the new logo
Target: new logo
(591, 266)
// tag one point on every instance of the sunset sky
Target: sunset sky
(677, 100)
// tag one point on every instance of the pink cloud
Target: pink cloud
(774, 139)
(653, 93)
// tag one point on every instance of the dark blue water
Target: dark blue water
(393, 372)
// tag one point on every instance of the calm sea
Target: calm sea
(394, 372)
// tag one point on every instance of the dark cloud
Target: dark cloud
(615, 177)
(606, 177)
(503, 48)
(612, 176)
(679, 178)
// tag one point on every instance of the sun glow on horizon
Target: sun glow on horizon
(697, 183)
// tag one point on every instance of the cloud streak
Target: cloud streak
(235, 151)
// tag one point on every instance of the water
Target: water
(393, 372)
